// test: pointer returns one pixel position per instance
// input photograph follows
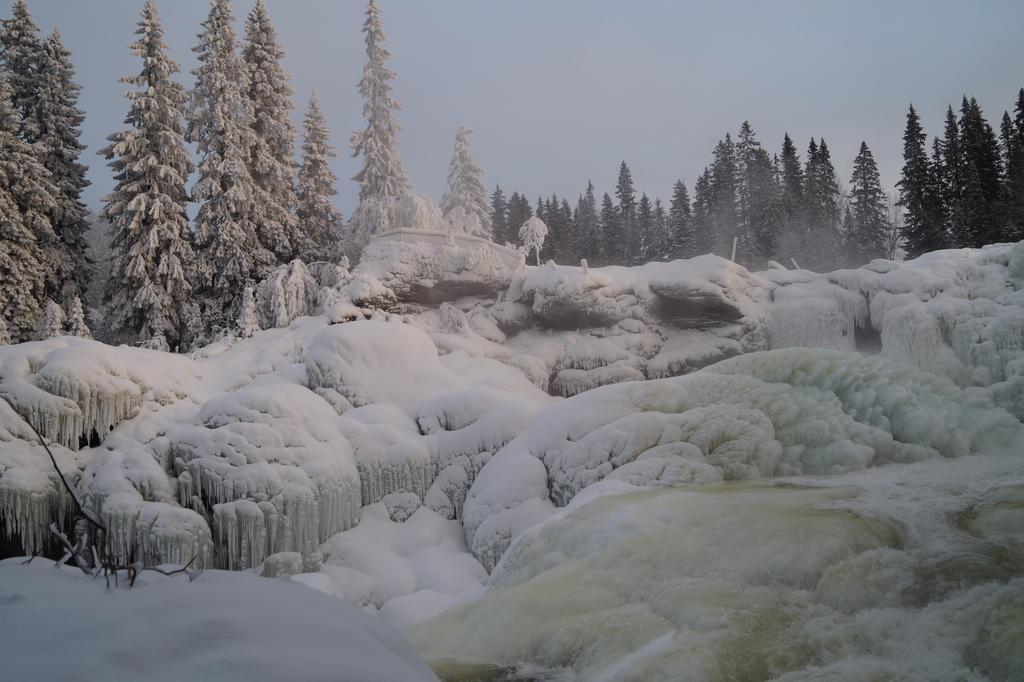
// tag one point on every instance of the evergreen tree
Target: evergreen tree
(646, 233)
(51, 323)
(519, 211)
(662, 244)
(271, 161)
(5, 335)
(923, 229)
(382, 179)
(319, 220)
(21, 50)
(151, 252)
(950, 163)
(758, 197)
(821, 239)
(229, 253)
(587, 227)
(55, 124)
(980, 174)
(466, 187)
(611, 233)
(247, 322)
(724, 214)
(532, 235)
(1013, 141)
(703, 228)
(499, 217)
(565, 251)
(866, 220)
(76, 325)
(682, 240)
(625, 240)
(26, 202)
(792, 181)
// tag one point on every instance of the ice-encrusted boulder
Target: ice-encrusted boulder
(784, 412)
(75, 390)
(432, 267)
(696, 293)
(270, 465)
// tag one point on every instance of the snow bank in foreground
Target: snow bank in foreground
(61, 625)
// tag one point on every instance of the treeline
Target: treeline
(969, 191)
(771, 206)
(172, 281)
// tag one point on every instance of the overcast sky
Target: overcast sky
(561, 90)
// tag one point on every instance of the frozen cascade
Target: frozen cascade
(775, 413)
(844, 579)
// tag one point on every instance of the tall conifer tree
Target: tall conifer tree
(55, 124)
(866, 220)
(271, 160)
(229, 253)
(151, 252)
(923, 229)
(319, 220)
(466, 187)
(26, 202)
(682, 240)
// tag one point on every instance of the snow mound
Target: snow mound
(225, 626)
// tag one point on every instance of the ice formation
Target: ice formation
(775, 413)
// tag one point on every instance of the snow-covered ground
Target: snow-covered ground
(62, 625)
(677, 471)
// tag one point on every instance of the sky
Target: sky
(560, 91)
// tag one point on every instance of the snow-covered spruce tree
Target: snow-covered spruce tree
(5, 335)
(76, 325)
(286, 294)
(229, 254)
(519, 211)
(1013, 150)
(51, 323)
(619, 232)
(758, 194)
(981, 190)
(644, 248)
(466, 187)
(499, 216)
(272, 163)
(26, 202)
(923, 229)
(382, 179)
(682, 243)
(247, 322)
(587, 227)
(866, 221)
(21, 51)
(532, 235)
(150, 240)
(319, 220)
(54, 124)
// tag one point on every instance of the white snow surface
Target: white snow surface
(61, 625)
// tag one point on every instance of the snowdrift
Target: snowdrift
(224, 626)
